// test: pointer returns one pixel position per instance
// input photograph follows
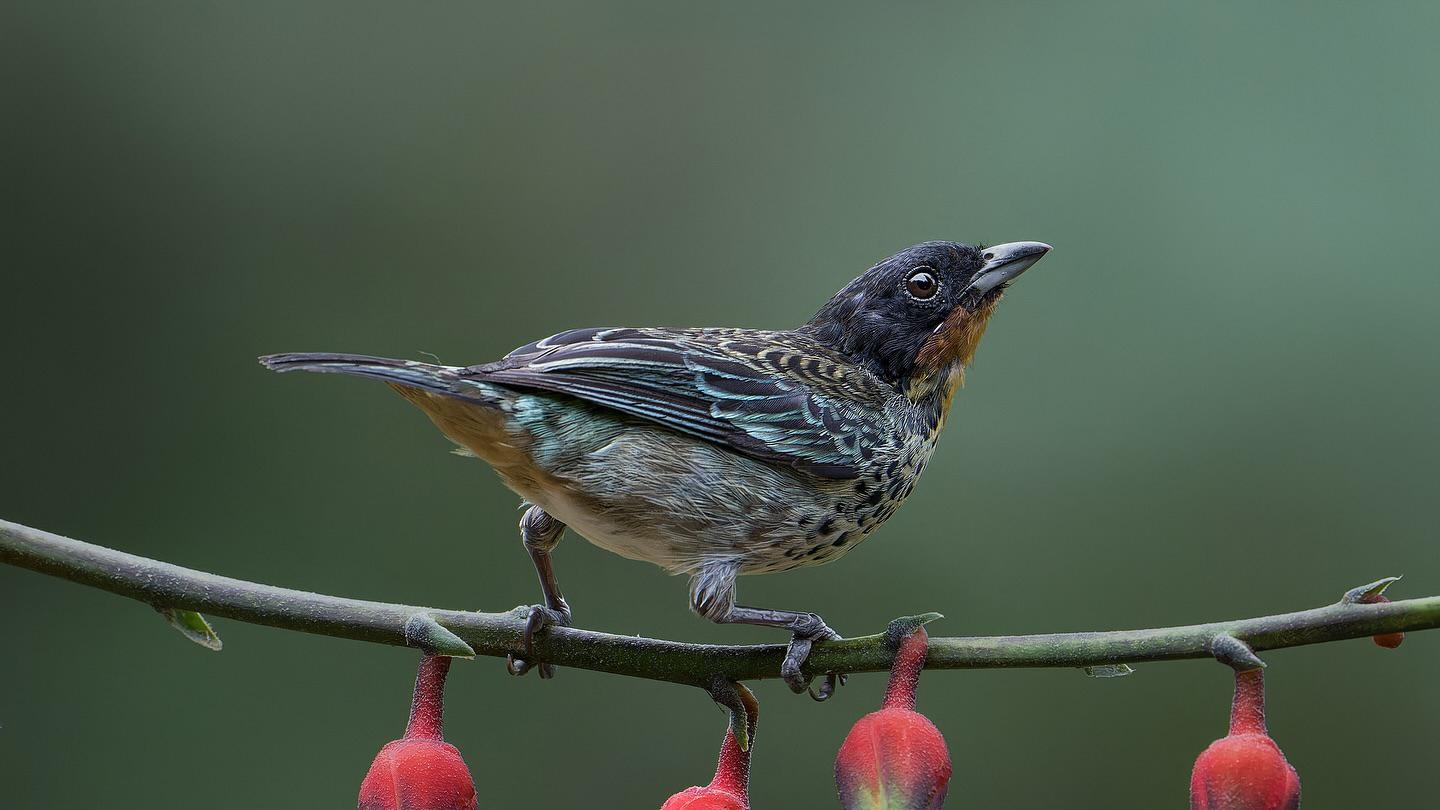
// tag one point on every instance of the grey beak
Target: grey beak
(1005, 262)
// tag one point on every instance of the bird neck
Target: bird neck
(939, 368)
(933, 392)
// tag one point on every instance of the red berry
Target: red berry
(1387, 640)
(1245, 770)
(895, 758)
(420, 771)
(705, 798)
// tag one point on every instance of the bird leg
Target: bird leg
(712, 595)
(541, 533)
(807, 628)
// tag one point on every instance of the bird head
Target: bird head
(915, 318)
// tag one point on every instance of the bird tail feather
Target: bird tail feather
(432, 377)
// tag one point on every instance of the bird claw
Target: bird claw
(539, 618)
(519, 666)
(800, 645)
(833, 681)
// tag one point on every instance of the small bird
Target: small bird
(719, 452)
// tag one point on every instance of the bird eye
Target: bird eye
(922, 284)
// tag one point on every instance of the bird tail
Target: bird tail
(432, 377)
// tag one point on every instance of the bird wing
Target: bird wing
(776, 396)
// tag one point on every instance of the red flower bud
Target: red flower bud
(1387, 640)
(1245, 770)
(895, 758)
(420, 771)
(730, 789)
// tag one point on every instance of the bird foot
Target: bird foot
(807, 632)
(539, 617)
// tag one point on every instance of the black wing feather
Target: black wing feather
(775, 396)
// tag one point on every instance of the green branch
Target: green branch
(173, 589)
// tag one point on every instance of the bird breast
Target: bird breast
(648, 493)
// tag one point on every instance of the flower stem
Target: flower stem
(427, 707)
(905, 672)
(732, 772)
(1247, 710)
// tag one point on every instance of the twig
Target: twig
(496, 634)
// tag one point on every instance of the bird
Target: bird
(720, 452)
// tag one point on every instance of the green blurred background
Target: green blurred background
(1216, 398)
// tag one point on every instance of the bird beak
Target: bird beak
(1005, 262)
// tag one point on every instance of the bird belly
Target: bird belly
(648, 493)
(609, 528)
(682, 504)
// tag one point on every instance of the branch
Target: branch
(167, 586)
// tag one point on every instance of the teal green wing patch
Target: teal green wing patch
(775, 396)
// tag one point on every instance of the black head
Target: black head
(921, 311)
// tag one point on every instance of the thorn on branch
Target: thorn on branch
(1234, 653)
(423, 632)
(744, 708)
(1374, 593)
(905, 627)
(193, 626)
(1366, 594)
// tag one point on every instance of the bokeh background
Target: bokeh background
(1216, 398)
